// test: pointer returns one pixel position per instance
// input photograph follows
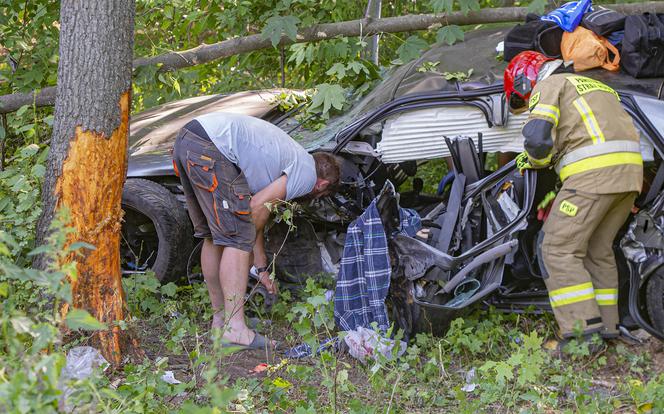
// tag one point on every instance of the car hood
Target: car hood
(152, 133)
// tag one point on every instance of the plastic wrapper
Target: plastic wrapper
(365, 343)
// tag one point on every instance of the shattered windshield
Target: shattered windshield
(477, 52)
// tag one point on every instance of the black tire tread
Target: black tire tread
(655, 299)
(171, 221)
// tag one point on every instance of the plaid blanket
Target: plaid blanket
(364, 275)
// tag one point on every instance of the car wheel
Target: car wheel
(156, 233)
(655, 299)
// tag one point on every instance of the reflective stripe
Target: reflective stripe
(543, 162)
(601, 161)
(571, 294)
(592, 126)
(550, 111)
(606, 297)
(599, 149)
(584, 85)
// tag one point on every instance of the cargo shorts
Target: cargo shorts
(217, 192)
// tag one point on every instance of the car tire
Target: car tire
(655, 299)
(156, 232)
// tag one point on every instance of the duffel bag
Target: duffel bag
(603, 21)
(643, 46)
(538, 35)
(588, 50)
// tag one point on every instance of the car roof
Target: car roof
(156, 128)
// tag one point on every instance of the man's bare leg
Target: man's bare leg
(234, 275)
(210, 259)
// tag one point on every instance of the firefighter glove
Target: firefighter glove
(522, 162)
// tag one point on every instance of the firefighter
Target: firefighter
(578, 125)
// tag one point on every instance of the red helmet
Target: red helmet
(521, 76)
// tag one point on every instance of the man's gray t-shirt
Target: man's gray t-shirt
(262, 151)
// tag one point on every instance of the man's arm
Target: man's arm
(273, 192)
(544, 116)
(260, 215)
(538, 143)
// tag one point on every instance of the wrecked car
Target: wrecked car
(479, 242)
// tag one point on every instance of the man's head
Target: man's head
(327, 174)
(524, 71)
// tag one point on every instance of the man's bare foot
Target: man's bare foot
(218, 320)
(240, 337)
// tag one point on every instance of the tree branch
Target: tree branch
(226, 48)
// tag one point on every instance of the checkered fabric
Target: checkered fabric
(364, 276)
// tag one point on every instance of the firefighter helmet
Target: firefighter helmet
(520, 77)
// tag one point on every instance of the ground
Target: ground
(514, 368)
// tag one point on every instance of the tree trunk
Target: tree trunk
(207, 53)
(87, 162)
(370, 51)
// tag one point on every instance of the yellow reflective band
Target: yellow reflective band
(600, 161)
(543, 162)
(571, 300)
(606, 297)
(548, 111)
(571, 294)
(534, 100)
(585, 85)
(589, 120)
(568, 208)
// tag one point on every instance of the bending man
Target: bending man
(231, 165)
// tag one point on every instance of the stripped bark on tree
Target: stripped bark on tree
(87, 161)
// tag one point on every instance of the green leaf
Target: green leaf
(411, 48)
(328, 96)
(41, 249)
(38, 170)
(357, 67)
(504, 371)
(317, 301)
(444, 6)
(22, 324)
(449, 34)
(81, 319)
(81, 245)
(338, 70)
(4, 289)
(22, 110)
(169, 289)
(278, 26)
(281, 383)
(537, 6)
(469, 5)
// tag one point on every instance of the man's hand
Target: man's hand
(522, 162)
(269, 283)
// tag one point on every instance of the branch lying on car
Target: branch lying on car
(361, 27)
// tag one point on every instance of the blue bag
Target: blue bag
(569, 15)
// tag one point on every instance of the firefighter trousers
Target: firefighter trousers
(577, 251)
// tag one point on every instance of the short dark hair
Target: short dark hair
(327, 168)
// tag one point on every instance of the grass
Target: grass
(513, 369)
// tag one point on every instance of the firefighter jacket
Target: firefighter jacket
(589, 138)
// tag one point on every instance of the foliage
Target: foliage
(29, 56)
(30, 347)
(513, 371)
(20, 208)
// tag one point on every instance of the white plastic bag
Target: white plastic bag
(363, 343)
(81, 363)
